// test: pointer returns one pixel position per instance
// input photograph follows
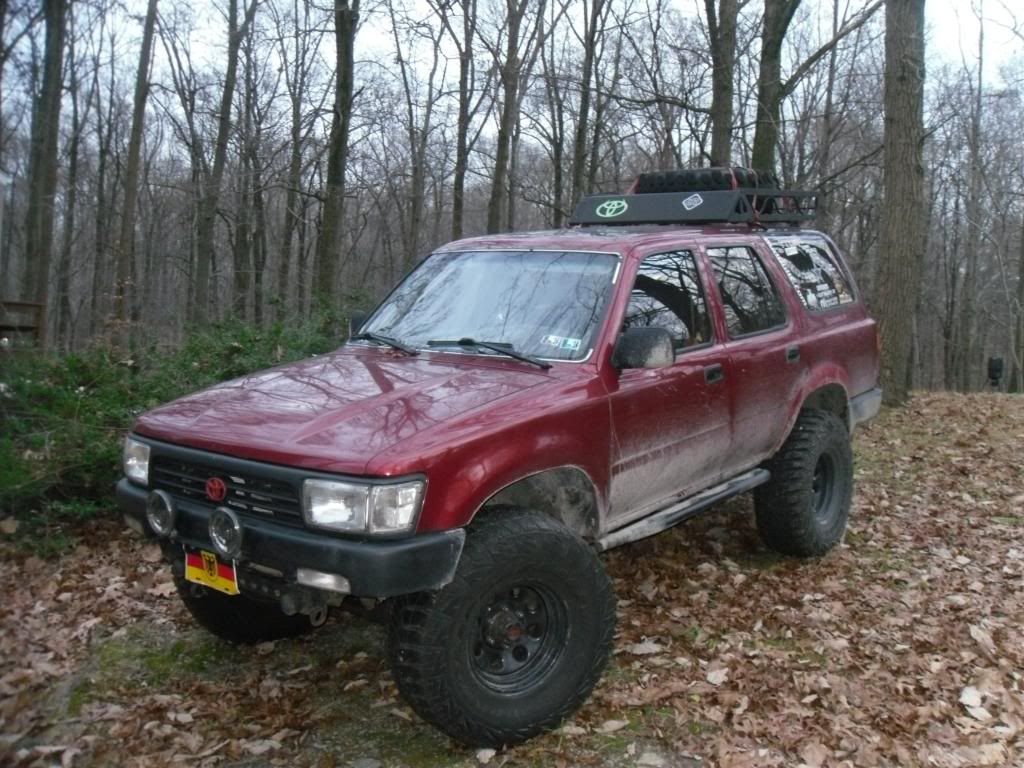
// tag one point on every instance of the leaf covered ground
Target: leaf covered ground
(903, 647)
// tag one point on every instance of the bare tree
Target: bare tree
(771, 89)
(463, 37)
(329, 245)
(514, 53)
(721, 22)
(42, 174)
(297, 38)
(903, 217)
(594, 19)
(126, 241)
(212, 186)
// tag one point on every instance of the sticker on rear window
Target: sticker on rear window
(692, 202)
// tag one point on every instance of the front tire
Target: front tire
(237, 618)
(516, 642)
(803, 509)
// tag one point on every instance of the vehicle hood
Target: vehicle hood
(335, 412)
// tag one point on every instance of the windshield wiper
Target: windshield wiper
(494, 346)
(381, 339)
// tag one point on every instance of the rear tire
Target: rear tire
(238, 619)
(803, 509)
(516, 642)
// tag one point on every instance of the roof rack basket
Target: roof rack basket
(699, 196)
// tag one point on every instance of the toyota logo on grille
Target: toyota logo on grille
(216, 489)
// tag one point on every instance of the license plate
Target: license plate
(205, 568)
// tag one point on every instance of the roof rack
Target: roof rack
(699, 196)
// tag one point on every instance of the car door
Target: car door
(671, 425)
(764, 367)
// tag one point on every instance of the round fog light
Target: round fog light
(226, 533)
(160, 513)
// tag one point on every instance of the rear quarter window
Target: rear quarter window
(815, 274)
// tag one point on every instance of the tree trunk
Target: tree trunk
(211, 194)
(42, 171)
(592, 16)
(329, 245)
(722, 36)
(62, 326)
(777, 16)
(509, 78)
(973, 211)
(1017, 373)
(126, 242)
(902, 239)
(824, 214)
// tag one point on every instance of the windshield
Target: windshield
(547, 304)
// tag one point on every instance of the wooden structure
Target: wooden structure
(21, 325)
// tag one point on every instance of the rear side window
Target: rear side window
(750, 300)
(667, 294)
(813, 271)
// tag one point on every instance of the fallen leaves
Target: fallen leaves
(645, 648)
(717, 676)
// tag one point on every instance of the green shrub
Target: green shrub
(64, 419)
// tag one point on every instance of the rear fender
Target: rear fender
(827, 388)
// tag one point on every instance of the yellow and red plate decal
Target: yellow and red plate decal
(205, 568)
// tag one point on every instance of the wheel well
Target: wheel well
(565, 493)
(831, 398)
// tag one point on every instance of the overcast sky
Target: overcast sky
(953, 34)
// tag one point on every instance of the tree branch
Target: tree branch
(850, 26)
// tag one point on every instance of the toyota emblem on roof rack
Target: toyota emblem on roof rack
(611, 208)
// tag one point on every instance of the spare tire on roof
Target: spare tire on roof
(704, 180)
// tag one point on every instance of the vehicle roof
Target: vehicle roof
(620, 239)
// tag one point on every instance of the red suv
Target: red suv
(517, 405)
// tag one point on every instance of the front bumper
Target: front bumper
(375, 569)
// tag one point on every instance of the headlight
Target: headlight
(136, 461)
(358, 508)
(394, 507)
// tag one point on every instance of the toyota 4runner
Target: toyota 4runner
(517, 405)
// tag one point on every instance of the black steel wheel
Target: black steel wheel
(516, 642)
(803, 509)
(522, 632)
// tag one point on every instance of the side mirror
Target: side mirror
(644, 348)
(356, 323)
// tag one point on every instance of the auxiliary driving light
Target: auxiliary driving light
(320, 580)
(160, 513)
(226, 533)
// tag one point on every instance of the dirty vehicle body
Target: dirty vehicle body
(517, 405)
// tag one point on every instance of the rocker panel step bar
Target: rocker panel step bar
(683, 510)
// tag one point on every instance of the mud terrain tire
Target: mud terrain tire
(516, 642)
(803, 509)
(238, 619)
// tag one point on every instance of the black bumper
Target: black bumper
(375, 569)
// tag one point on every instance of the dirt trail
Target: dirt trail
(903, 647)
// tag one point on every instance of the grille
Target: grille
(246, 494)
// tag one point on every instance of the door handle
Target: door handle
(792, 354)
(714, 373)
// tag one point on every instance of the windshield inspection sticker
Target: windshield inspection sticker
(611, 208)
(692, 202)
(553, 341)
(572, 344)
